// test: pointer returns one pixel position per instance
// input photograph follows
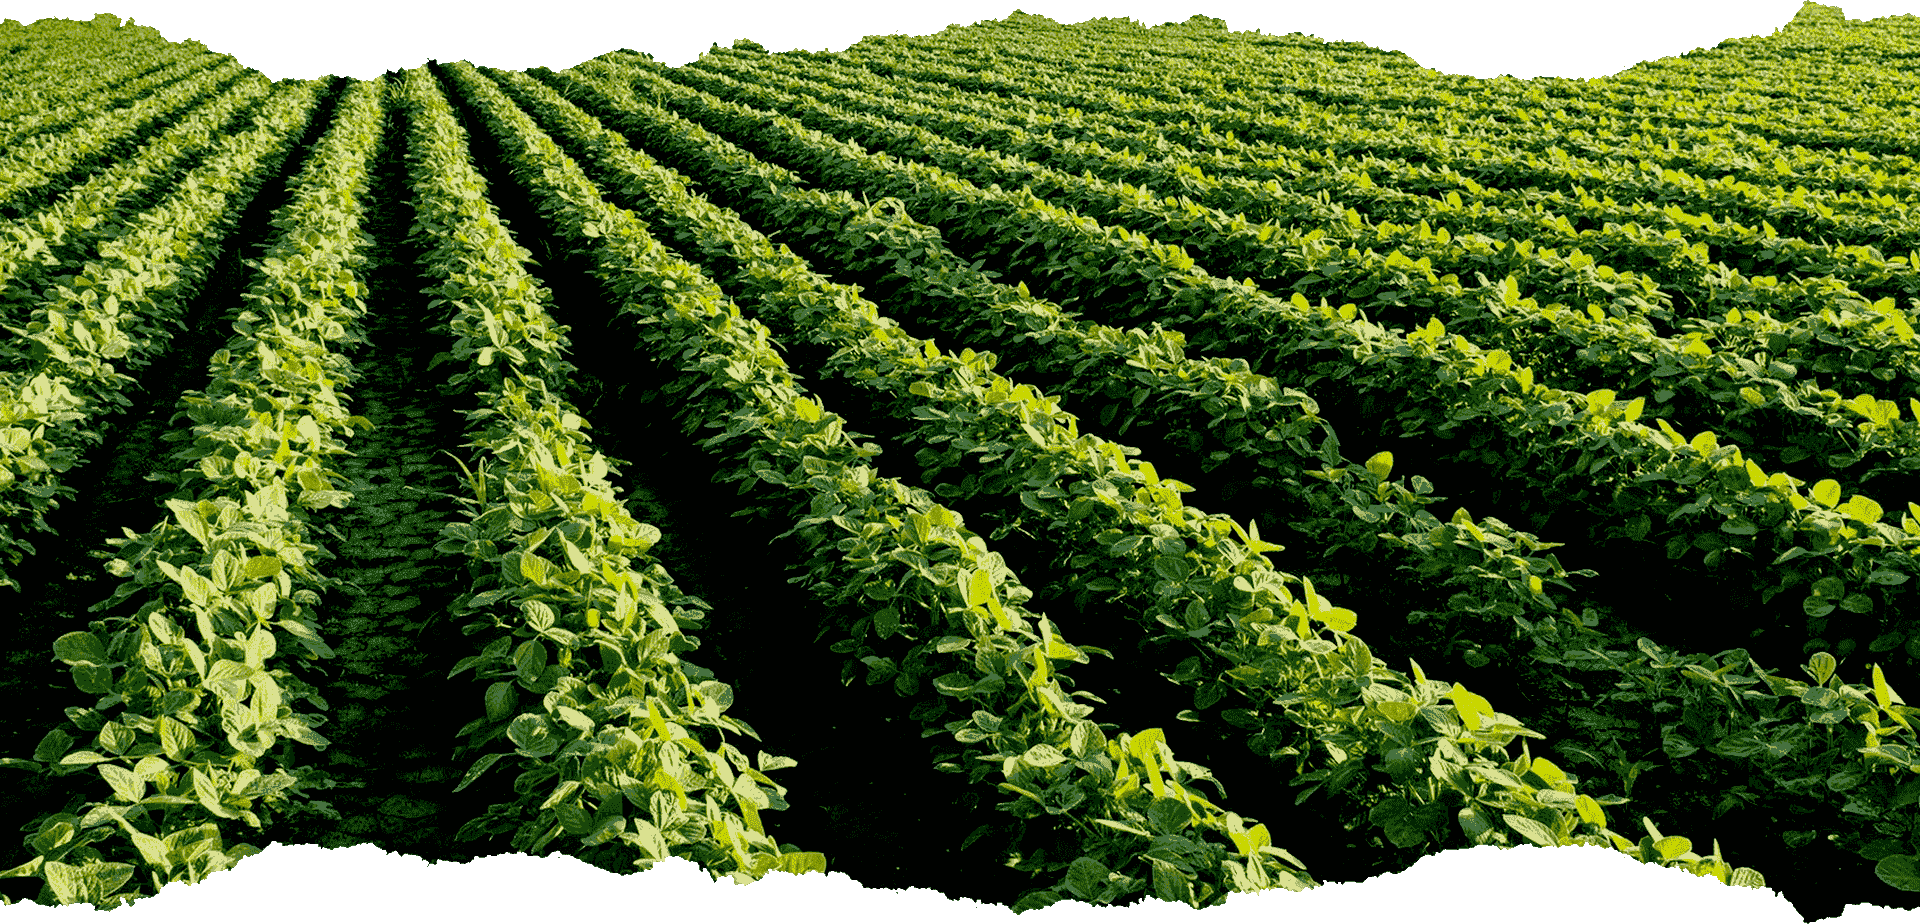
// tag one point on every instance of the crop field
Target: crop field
(1031, 461)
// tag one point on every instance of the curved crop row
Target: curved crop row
(1489, 160)
(51, 156)
(1205, 73)
(195, 713)
(1604, 228)
(1217, 409)
(29, 246)
(68, 365)
(1687, 494)
(617, 755)
(1110, 814)
(1118, 517)
(1829, 326)
(1220, 410)
(75, 91)
(1612, 343)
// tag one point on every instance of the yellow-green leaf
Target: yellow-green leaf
(1339, 619)
(1471, 706)
(1864, 509)
(978, 587)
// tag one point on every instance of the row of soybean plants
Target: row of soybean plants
(47, 67)
(274, 411)
(56, 82)
(1497, 148)
(193, 722)
(34, 165)
(1707, 375)
(1314, 135)
(1896, 323)
(1438, 388)
(921, 599)
(1844, 416)
(1493, 119)
(620, 745)
(1886, 275)
(1579, 349)
(1661, 250)
(1651, 235)
(1825, 62)
(1218, 409)
(36, 246)
(1400, 273)
(1590, 460)
(1652, 665)
(281, 379)
(67, 364)
(1245, 628)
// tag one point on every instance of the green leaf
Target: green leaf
(209, 795)
(152, 849)
(1864, 509)
(128, 787)
(535, 569)
(500, 701)
(573, 818)
(480, 766)
(532, 735)
(1338, 618)
(91, 679)
(1638, 527)
(1169, 884)
(977, 586)
(199, 590)
(80, 648)
(1172, 568)
(187, 514)
(529, 660)
(1901, 870)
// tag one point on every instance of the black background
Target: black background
(1471, 39)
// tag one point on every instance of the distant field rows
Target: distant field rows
(1035, 462)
